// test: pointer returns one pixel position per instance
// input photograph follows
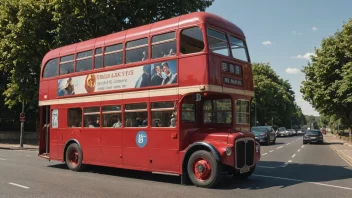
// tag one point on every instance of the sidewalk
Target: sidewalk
(341, 147)
(17, 147)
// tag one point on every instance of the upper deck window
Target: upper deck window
(191, 40)
(164, 45)
(218, 42)
(238, 49)
(51, 68)
(113, 55)
(67, 64)
(84, 61)
(137, 50)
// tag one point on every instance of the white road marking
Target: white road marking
(289, 161)
(293, 155)
(279, 147)
(288, 143)
(28, 155)
(264, 153)
(284, 165)
(2, 159)
(349, 163)
(302, 146)
(297, 180)
(18, 185)
(271, 151)
(299, 150)
(266, 167)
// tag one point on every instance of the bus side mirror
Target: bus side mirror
(198, 97)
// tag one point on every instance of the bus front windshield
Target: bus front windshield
(217, 111)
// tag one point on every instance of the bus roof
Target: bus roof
(144, 31)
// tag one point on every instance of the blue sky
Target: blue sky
(284, 33)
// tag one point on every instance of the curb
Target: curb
(8, 148)
(347, 158)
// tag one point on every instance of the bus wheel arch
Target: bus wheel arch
(208, 158)
(73, 155)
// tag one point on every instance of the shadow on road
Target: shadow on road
(287, 176)
(132, 174)
(263, 177)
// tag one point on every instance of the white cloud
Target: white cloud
(314, 28)
(299, 33)
(266, 43)
(292, 70)
(305, 56)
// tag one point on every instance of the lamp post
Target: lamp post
(22, 118)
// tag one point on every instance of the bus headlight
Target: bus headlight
(228, 151)
(257, 147)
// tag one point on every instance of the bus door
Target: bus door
(164, 137)
(44, 131)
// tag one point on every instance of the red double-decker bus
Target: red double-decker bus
(171, 97)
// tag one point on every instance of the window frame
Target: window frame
(69, 61)
(247, 113)
(163, 110)
(103, 53)
(112, 112)
(84, 58)
(214, 112)
(245, 48)
(179, 32)
(227, 40)
(57, 68)
(91, 113)
(135, 110)
(162, 42)
(125, 49)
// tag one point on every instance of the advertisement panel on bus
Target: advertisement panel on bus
(157, 74)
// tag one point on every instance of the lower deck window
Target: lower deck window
(242, 112)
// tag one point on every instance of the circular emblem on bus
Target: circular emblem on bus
(141, 139)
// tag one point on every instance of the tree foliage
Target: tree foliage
(274, 101)
(328, 84)
(31, 28)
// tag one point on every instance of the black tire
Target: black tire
(216, 169)
(244, 175)
(268, 141)
(74, 163)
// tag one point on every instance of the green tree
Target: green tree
(274, 99)
(31, 28)
(328, 84)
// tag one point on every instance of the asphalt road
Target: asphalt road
(287, 169)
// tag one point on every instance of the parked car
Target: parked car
(292, 131)
(300, 132)
(282, 132)
(264, 134)
(314, 135)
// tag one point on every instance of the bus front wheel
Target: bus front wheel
(203, 169)
(73, 157)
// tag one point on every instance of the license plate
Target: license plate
(312, 137)
(245, 169)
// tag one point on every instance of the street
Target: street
(286, 169)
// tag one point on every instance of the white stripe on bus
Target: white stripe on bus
(146, 93)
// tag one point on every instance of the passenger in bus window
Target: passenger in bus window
(91, 123)
(117, 122)
(170, 77)
(173, 120)
(157, 78)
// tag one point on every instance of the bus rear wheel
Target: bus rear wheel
(73, 157)
(203, 169)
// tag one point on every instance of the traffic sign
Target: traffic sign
(22, 117)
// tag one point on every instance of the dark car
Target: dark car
(264, 134)
(313, 136)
